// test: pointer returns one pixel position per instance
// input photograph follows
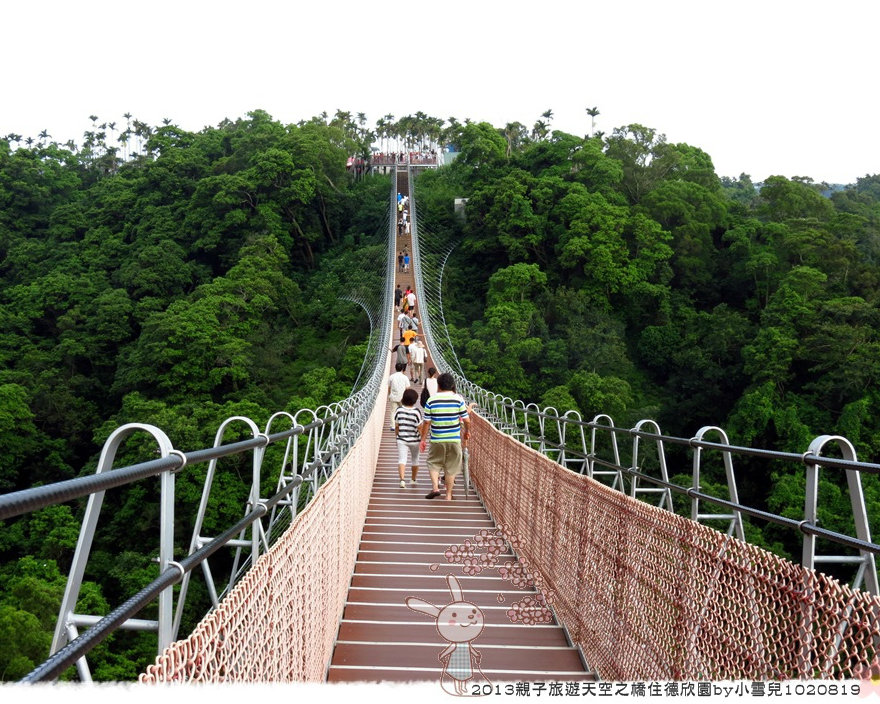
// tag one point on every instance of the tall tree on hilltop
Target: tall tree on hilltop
(539, 130)
(593, 112)
(515, 134)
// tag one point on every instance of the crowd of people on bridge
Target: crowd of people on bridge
(404, 225)
(393, 158)
(437, 414)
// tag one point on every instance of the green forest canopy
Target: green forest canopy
(177, 278)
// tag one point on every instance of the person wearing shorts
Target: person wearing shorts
(447, 423)
(407, 420)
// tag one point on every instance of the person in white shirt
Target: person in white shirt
(417, 355)
(397, 384)
(402, 323)
(431, 382)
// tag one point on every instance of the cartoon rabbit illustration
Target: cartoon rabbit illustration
(459, 622)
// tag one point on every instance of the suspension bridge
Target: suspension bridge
(572, 555)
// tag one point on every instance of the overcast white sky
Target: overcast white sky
(765, 87)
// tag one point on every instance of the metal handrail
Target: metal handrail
(82, 645)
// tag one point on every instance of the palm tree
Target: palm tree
(123, 140)
(592, 112)
(380, 132)
(539, 130)
(142, 131)
(435, 130)
(452, 133)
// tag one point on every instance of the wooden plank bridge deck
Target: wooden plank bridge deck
(401, 555)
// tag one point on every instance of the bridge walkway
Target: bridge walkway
(402, 554)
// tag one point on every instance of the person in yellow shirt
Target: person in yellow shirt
(408, 337)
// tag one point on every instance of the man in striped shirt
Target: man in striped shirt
(447, 422)
(407, 420)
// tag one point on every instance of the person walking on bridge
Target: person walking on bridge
(417, 354)
(447, 423)
(397, 384)
(407, 420)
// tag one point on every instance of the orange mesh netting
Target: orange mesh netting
(651, 595)
(280, 622)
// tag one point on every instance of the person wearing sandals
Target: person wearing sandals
(447, 423)
(407, 420)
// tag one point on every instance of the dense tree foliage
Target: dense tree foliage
(179, 278)
(195, 277)
(621, 275)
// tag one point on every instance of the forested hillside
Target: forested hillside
(197, 278)
(178, 278)
(622, 275)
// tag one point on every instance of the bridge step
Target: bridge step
(519, 662)
(402, 554)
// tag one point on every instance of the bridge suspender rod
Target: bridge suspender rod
(73, 651)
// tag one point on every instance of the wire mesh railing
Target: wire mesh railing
(650, 595)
